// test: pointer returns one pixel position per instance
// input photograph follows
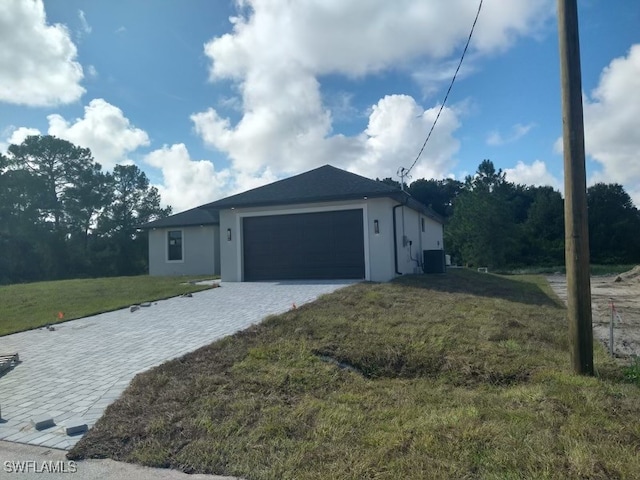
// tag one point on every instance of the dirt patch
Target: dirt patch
(624, 291)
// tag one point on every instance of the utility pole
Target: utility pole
(576, 225)
(402, 173)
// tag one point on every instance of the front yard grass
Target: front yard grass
(32, 305)
(462, 375)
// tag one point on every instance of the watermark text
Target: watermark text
(33, 466)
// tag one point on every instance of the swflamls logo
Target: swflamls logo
(32, 466)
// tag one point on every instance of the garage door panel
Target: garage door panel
(320, 245)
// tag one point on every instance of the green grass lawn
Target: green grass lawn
(461, 376)
(31, 305)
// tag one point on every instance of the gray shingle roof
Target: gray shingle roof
(322, 184)
(193, 217)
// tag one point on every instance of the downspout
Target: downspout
(420, 235)
(395, 235)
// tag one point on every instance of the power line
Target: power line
(447, 95)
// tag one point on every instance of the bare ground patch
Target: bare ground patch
(624, 291)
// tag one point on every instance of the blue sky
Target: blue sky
(213, 97)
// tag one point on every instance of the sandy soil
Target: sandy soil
(624, 291)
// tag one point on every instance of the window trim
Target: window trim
(166, 245)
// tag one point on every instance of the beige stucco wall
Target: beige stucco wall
(381, 244)
(201, 252)
(379, 257)
(409, 226)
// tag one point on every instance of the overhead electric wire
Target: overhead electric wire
(448, 91)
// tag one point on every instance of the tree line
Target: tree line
(492, 222)
(61, 216)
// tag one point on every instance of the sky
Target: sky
(213, 97)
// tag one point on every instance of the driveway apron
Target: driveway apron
(77, 370)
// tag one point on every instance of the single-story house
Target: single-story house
(187, 243)
(326, 223)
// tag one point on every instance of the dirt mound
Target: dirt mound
(631, 275)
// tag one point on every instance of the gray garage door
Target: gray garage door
(323, 245)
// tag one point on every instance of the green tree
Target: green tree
(85, 200)
(21, 195)
(53, 166)
(390, 181)
(58, 164)
(487, 178)
(133, 202)
(24, 240)
(61, 216)
(482, 231)
(544, 228)
(84, 203)
(614, 225)
(438, 194)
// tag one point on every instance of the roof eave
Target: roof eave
(274, 203)
(406, 199)
(150, 226)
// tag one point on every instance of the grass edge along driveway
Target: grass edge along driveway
(453, 376)
(33, 305)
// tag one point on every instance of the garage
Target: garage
(319, 245)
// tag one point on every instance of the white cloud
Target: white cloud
(38, 64)
(611, 113)
(20, 134)
(502, 23)
(230, 102)
(397, 129)
(340, 104)
(186, 183)
(495, 138)
(84, 25)
(432, 75)
(104, 129)
(286, 31)
(279, 50)
(15, 136)
(533, 174)
(281, 127)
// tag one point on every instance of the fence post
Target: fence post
(611, 328)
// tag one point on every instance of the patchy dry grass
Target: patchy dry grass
(455, 376)
(31, 305)
(550, 270)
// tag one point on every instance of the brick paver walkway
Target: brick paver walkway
(84, 365)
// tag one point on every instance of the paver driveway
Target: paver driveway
(84, 365)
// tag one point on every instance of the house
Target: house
(186, 243)
(326, 223)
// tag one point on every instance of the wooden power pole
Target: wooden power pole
(575, 192)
